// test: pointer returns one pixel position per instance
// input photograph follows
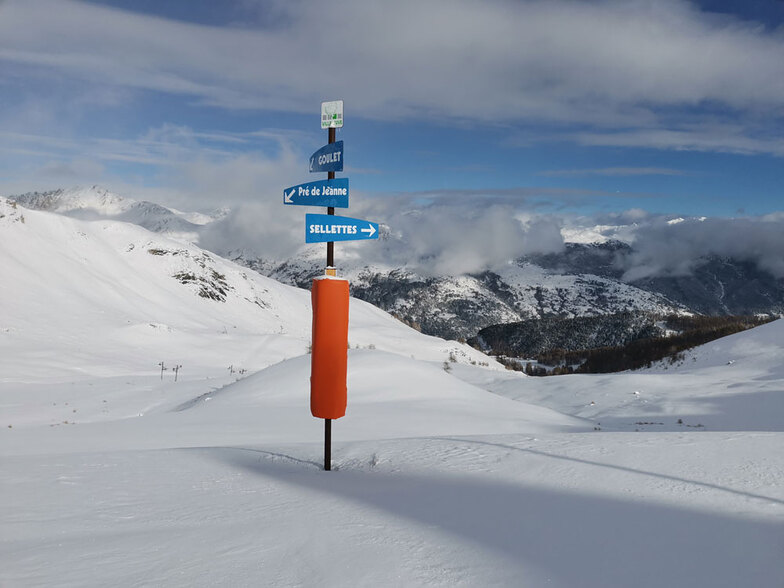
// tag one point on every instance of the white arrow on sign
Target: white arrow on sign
(287, 197)
(369, 231)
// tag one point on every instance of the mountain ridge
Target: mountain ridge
(584, 279)
(128, 292)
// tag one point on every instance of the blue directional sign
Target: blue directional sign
(322, 193)
(321, 228)
(328, 159)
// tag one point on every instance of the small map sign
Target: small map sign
(321, 228)
(328, 159)
(332, 114)
(322, 193)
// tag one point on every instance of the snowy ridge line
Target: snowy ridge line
(97, 203)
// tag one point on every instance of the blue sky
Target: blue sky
(553, 107)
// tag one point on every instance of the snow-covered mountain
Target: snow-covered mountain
(585, 279)
(95, 202)
(118, 472)
(457, 307)
(116, 288)
(716, 286)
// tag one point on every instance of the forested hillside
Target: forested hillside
(604, 344)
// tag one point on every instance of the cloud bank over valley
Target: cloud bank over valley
(439, 239)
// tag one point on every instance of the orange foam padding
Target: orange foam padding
(329, 355)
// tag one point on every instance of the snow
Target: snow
(95, 202)
(445, 473)
(732, 384)
(599, 233)
(576, 295)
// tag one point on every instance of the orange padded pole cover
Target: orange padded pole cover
(329, 356)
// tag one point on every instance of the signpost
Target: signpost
(329, 295)
(332, 115)
(323, 228)
(328, 159)
(332, 193)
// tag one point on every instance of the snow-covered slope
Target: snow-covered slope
(114, 289)
(445, 473)
(732, 384)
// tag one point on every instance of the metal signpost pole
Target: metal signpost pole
(331, 209)
(327, 445)
(330, 264)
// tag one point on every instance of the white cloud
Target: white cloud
(264, 228)
(193, 169)
(664, 248)
(443, 239)
(447, 241)
(724, 138)
(71, 171)
(614, 171)
(615, 65)
(436, 239)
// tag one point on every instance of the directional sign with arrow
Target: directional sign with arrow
(328, 159)
(321, 228)
(322, 193)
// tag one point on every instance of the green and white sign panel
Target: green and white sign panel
(332, 114)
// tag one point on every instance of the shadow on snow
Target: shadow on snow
(574, 539)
